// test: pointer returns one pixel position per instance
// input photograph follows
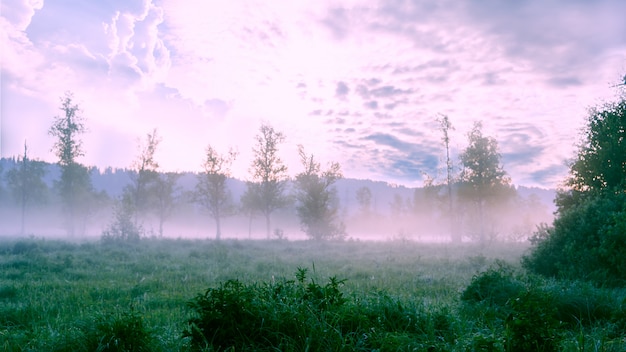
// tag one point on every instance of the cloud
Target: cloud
(342, 90)
(552, 174)
(372, 104)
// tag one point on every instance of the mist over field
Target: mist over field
(395, 212)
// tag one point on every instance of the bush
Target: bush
(532, 325)
(586, 242)
(120, 331)
(303, 315)
(122, 228)
(496, 286)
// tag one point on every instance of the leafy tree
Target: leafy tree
(211, 190)
(484, 178)
(74, 186)
(364, 198)
(266, 191)
(587, 239)
(165, 197)
(26, 184)
(600, 165)
(318, 205)
(145, 177)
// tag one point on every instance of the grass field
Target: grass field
(387, 296)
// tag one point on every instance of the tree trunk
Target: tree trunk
(267, 224)
(218, 231)
(23, 213)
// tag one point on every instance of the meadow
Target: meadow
(186, 295)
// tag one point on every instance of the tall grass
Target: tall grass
(63, 296)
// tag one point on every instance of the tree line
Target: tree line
(467, 199)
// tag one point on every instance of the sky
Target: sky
(360, 83)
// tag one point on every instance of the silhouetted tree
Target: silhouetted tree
(211, 190)
(483, 177)
(26, 183)
(269, 175)
(318, 205)
(74, 186)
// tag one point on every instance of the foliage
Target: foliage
(141, 192)
(496, 287)
(63, 296)
(74, 186)
(303, 315)
(122, 228)
(483, 180)
(318, 204)
(120, 331)
(211, 190)
(586, 242)
(600, 163)
(67, 130)
(26, 183)
(266, 190)
(588, 239)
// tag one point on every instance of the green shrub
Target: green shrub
(587, 242)
(300, 315)
(496, 286)
(284, 314)
(532, 325)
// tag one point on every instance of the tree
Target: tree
(364, 198)
(26, 184)
(483, 177)
(586, 240)
(144, 179)
(268, 174)
(318, 205)
(211, 190)
(74, 186)
(165, 197)
(446, 126)
(600, 164)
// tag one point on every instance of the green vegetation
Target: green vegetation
(588, 238)
(181, 295)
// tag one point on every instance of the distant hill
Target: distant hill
(112, 181)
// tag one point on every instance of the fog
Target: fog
(393, 213)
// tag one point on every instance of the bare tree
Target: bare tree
(211, 190)
(269, 174)
(318, 205)
(74, 186)
(446, 126)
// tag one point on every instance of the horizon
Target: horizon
(358, 83)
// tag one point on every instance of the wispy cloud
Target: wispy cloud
(360, 82)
